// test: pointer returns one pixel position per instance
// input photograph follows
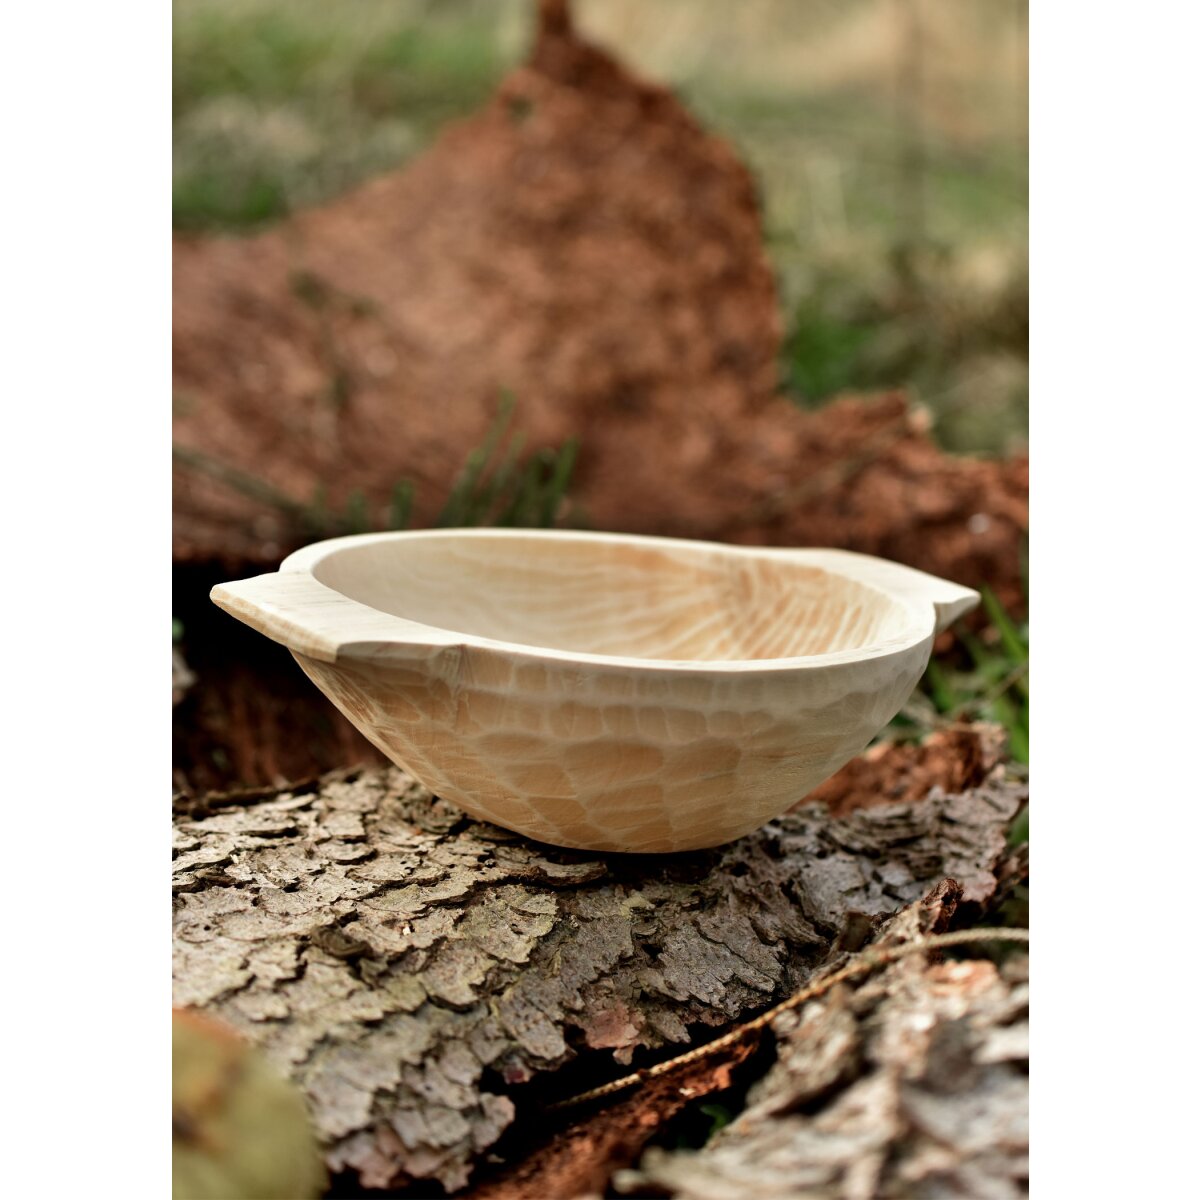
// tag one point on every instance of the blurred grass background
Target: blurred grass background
(889, 139)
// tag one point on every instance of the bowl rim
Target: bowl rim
(863, 570)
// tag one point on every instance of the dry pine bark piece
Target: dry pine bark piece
(410, 968)
(915, 1083)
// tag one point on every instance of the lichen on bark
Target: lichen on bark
(410, 968)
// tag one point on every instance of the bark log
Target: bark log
(913, 1083)
(410, 968)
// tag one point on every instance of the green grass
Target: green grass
(278, 106)
(496, 488)
(824, 353)
(985, 678)
(960, 352)
(886, 281)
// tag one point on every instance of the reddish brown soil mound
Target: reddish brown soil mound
(584, 243)
(581, 241)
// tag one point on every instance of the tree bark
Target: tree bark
(912, 1083)
(412, 970)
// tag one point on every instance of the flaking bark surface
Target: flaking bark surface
(411, 969)
(913, 1083)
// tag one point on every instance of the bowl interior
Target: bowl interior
(593, 596)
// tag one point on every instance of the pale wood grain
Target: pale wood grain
(604, 691)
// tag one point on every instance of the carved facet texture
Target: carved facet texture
(604, 692)
(605, 762)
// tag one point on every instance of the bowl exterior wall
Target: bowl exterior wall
(646, 761)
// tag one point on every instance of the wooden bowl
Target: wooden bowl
(604, 691)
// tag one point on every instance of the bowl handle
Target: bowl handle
(950, 600)
(301, 613)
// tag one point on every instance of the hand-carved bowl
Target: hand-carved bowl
(599, 690)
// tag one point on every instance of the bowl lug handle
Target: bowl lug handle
(950, 600)
(301, 613)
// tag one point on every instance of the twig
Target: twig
(866, 962)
